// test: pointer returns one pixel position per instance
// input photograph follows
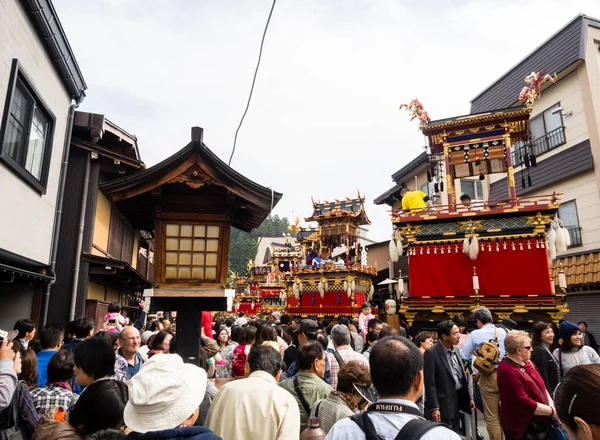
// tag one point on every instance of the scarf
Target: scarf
(62, 384)
(345, 397)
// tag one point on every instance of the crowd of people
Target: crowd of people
(348, 379)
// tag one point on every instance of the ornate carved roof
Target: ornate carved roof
(351, 208)
(193, 180)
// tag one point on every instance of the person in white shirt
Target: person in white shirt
(397, 374)
(256, 408)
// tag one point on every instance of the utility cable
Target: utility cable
(253, 80)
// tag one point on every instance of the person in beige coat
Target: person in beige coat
(256, 408)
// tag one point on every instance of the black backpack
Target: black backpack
(413, 430)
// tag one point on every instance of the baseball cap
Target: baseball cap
(309, 326)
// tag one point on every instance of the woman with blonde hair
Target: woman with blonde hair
(527, 408)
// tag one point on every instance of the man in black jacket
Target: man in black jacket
(446, 386)
(588, 338)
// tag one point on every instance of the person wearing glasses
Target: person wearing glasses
(527, 408)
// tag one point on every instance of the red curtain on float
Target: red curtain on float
(330, 299)
(520, 271)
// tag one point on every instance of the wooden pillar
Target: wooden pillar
(451, 191)
(512, 190)
(189, 323)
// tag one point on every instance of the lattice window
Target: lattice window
(192, 252)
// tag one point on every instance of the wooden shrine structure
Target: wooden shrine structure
(324, 286)
(190, 201)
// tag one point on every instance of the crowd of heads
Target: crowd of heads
(394, 368)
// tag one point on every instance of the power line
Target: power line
(262, 42)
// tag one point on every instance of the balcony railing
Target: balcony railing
(575, 234)
(540, 146)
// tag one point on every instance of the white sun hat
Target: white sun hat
(164, 394)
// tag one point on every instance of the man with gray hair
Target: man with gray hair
(490, 395)
(340, 336)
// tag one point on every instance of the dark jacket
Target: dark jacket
(590, 341)
(547, 367)
(189, 432)
(440, 386)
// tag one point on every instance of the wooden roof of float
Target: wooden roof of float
(462, 128)
(349, 208)
(192, 181)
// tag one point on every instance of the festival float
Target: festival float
(496, 253)
(263, 290)
(329, 284)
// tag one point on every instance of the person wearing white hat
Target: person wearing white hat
(164, 401)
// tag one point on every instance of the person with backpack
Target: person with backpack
(340, 336)
(487, 342)
(240, 352)
(397, 374)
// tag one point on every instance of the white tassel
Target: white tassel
(552, 240)
(326, 285)
(295, 289)
(466, 246)
(474, 248)
(321, 290)
(353, 286)
(393, 252)
(300, 287)
(349, 293)
(566, 237)
(372, 290)
(561, 247)
(400, 248)
(552, 251)
(345, 285)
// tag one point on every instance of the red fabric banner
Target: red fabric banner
(519, 270)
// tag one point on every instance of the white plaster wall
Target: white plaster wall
(567, 92)
(27, 220)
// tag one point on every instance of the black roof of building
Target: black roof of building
(45, 21)
(401, 174)
(406, 171)
(562, 50)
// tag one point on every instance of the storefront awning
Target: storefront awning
(107, 267)
(23, 273)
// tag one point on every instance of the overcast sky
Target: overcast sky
(324, 119)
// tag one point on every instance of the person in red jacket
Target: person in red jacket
(207, 323)
(526, 404)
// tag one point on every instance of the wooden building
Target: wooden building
(102, 258)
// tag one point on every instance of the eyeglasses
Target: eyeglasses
(528, 347)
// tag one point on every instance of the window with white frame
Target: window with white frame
(568, 214)
(472, 188)
(27, 129)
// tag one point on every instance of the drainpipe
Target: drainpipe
(58, 213)
(84, 198)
